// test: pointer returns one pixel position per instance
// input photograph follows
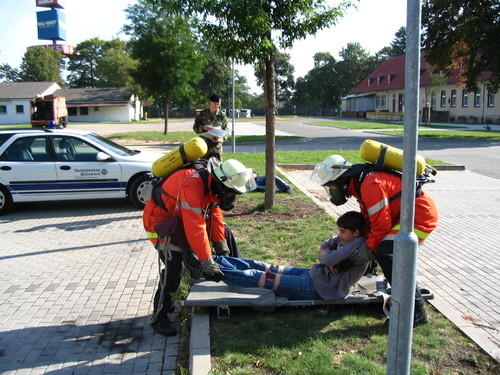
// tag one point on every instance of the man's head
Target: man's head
(215, 103)
(231, 178)
(330, 173)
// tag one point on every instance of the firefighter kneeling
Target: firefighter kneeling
(378, 193)
(189, 220)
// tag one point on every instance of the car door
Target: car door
(27, 170)
(82, 172)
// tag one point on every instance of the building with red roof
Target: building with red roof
(380, 96)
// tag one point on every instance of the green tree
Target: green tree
(330, 80)
(464, 32)
(216, 77)
(251, 31)
(115, 67)
(322, 81)
(167, 51)
(41, 64)
(302, 99)
(101, 63)
(398, 44)
(82, 66)
(8, 73)
(396, 48)
(356, 63)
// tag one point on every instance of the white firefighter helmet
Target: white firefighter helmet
(235, 176)
(330, 169)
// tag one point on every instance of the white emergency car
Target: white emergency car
(56, 164)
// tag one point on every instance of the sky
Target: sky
(373, 24)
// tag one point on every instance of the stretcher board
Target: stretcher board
(210, 294)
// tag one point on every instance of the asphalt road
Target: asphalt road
(478, 156)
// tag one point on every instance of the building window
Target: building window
(443, 98)
(84, 111)
(370, 80)
(465, 98)
(380, 80)
(19, 108)
(384, 101)
(477, 99)
(491, 99)
(378, 101)
(453, 98)
(3, 109)
(433, 100)
(72, 111)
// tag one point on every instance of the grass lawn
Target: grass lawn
(317, 340)
(435, 131)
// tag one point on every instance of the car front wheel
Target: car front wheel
(140, 190)
(5, 200)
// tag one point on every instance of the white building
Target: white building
(16, 97)
(115, 104)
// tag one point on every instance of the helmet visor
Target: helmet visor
(242, 182)
(323, 173)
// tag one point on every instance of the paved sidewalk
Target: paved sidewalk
(459, 261)
(76, 284)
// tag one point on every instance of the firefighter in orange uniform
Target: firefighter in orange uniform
(379, 197)
(188, 219)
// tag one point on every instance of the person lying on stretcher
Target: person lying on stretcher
(329, 280)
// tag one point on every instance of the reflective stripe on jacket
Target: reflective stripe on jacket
(201, 220)
(383, 216)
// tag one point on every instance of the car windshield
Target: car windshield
(110, 145)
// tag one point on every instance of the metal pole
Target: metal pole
(406, 242)
(233, 138)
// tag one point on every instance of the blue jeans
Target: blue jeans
(291, 282)
(279, 184)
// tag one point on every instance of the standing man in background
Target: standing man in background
(210, 118)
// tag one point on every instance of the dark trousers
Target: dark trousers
(231, 243)
(174, 273)
(385, 257)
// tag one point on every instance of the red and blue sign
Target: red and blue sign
(51, 3)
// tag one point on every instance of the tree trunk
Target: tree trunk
(270, 97)
(166, 109)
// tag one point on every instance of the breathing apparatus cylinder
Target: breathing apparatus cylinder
(193, 149)
(384, 155)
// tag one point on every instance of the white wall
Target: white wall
(103, 114)
(11, 117)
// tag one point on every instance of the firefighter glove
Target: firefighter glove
(221, 248)
(362, 255)
(211, 270)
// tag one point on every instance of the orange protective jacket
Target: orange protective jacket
(383, 216)
(202, 218)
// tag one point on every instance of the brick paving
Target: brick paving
(76, 284)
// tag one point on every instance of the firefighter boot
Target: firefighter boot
(163, 326)
(419, 314)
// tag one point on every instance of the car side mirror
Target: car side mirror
(102, 156)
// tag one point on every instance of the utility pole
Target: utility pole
(406, 242)
(233, 137)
